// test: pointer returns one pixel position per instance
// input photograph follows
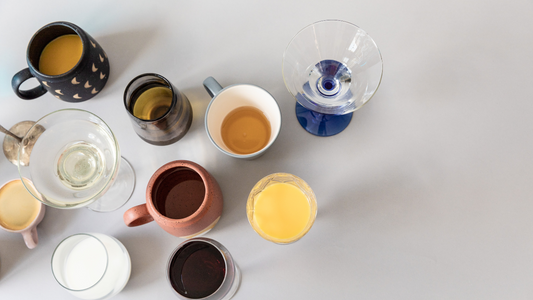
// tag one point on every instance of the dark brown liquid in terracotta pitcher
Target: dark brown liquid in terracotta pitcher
(178, 193)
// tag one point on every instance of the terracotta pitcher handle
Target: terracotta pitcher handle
(137, 215)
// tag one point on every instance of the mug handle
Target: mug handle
(30, 237)
(19, 78)
(212, 86)
(137, 215)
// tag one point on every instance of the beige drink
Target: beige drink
(18, 208)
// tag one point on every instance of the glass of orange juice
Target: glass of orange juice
(281, 208)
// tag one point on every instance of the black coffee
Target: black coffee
(197, 270)
(178, 193)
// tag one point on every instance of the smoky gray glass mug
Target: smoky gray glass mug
(160, 113)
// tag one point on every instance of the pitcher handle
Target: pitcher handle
(137, 215)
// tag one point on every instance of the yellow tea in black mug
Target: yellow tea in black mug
(61, 55)
(66, 61)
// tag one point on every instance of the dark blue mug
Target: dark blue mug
(84, 81)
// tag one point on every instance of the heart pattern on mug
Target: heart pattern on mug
(94, 78)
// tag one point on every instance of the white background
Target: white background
(426, 195)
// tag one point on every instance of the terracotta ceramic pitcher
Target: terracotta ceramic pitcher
(182, 198)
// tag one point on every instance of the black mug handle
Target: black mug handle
(19, 78)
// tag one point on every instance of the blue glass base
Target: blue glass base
(321, 124)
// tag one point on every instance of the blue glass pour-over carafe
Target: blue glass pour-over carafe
(332, 68)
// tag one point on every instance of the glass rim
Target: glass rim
(157, 179)
(228, 260)
(168, 85)
(330, 21)
(103, 273)
(306, 190)
(96, 195)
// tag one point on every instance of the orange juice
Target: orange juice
(61, 55)
(282, 211)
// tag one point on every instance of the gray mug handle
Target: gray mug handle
(212, 86)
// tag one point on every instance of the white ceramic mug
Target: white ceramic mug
(226, 100)
(29, 213)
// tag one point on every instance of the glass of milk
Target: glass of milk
(91, 265)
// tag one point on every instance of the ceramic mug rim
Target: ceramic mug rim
(250, 155)
(36, 219)
(77, 30)
(177, 164)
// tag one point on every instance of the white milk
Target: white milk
(92, 266)
(86, 264)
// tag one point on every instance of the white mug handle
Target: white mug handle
(30, 237)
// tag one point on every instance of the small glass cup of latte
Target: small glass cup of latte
(20, 212)
(201, 268)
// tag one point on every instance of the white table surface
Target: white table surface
(426, 195)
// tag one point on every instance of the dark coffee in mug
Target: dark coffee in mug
(178, 193)
(197, 270)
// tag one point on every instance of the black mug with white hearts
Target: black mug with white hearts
(66, 61)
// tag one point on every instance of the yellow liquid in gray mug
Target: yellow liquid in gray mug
(152, 103)
(245, 130)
